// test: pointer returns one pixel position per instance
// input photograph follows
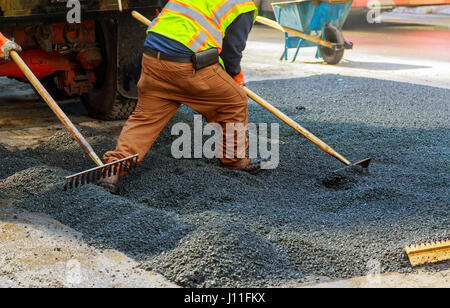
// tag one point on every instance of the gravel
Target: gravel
(202, 226)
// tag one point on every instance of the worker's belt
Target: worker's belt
(154, 53)
(199, 60)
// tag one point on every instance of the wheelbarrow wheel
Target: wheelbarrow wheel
(332, 35)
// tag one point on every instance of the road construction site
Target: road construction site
(190, 223)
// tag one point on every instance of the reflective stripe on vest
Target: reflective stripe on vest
(209, 30)
(225, 8)
(198, 18)
(198, 40)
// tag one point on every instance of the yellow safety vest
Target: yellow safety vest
(199, 24)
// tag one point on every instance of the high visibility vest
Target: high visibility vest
(199, 24)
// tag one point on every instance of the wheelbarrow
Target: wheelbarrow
(299, 19)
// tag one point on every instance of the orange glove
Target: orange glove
(6, 46)
(239, 78)
(2, 40)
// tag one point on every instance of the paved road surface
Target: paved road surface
(415, 54)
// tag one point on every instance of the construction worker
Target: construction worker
(181, 65)
(6, 46)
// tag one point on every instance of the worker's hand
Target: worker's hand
(6, 46)
(239, 78)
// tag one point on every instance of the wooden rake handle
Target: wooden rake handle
(283, 117)
(54, 107)
(276, 112)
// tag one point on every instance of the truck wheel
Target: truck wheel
(104, 102)
(121, 109)
(332, 35)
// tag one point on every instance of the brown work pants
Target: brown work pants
(163, 87)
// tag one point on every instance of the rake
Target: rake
(88, 176)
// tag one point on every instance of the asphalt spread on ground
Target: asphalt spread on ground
(203, 226)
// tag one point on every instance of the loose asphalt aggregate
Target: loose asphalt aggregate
(202, 226)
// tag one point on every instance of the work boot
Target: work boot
(253, 166)
(110, 183)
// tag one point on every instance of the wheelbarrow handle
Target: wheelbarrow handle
(275, 25)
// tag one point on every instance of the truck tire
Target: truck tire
(121, 109)
(104, 102)
(333, 35)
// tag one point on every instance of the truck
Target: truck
(97, 59)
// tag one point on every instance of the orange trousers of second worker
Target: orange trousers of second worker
(164, 86)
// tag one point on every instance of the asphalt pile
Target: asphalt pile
(202, 226)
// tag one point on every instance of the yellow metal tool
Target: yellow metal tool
(88, 176)
(428, 253)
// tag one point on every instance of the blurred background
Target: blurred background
(424, 12)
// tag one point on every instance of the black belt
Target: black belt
(154, 53)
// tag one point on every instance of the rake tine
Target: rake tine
(119, 169)
(131, 164)
(95, 174)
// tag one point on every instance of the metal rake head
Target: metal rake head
(93, 175)
(363, 163)
(361, 166)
